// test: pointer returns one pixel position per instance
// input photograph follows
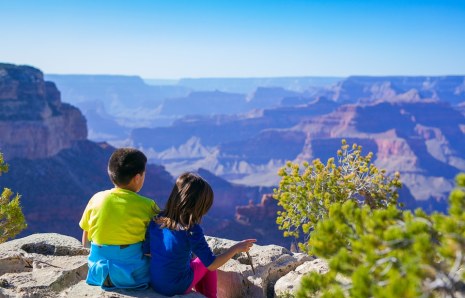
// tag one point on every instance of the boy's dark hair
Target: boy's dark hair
(190, 199)
(124, 164)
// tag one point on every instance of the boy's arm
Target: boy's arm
(146, 243)
(85, 239)
(84, 224)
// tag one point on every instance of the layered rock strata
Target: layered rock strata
(34, 123)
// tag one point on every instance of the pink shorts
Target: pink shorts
(205, 281)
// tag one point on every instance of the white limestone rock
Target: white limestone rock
(290, 282)
(41, 265)
(271, 262)
(53, 265)
(84, 290)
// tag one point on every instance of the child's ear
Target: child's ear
(138, 177)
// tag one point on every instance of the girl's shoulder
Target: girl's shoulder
(196, 229)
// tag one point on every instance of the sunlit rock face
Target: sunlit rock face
(54, 265)
(34, 123)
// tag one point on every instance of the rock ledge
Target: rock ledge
(54, 265)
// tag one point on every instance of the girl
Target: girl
(175, 234)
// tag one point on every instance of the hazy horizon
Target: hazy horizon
(246, 78)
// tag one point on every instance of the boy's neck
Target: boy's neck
(127, 187)
(135, 184)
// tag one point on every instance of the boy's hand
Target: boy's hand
(244, 245)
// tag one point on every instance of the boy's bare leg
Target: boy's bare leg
(107, 282)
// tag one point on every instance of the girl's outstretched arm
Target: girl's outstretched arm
(220, 260)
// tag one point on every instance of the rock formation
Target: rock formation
(56, 170)
(356, 89)
(419, 137)
(55, 190)
(34, 123)
(291, 281)
(53, 265)
(268, 207)
(254, 220)
(421, 140)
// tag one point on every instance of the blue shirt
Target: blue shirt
(171, 250)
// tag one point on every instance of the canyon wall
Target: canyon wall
(34, 123)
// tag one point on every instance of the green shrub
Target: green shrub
(306, 194)
(12, 220)
(389, 252)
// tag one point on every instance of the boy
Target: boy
(114, 224)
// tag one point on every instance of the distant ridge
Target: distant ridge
(247, 85)
(356, 89)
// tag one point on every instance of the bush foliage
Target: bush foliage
(12, 220)
(306, 194)
(389, 252)
(373, 248)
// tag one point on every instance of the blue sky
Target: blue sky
(251, 38)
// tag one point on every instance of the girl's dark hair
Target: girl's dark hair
(124, 164)
(190, 199)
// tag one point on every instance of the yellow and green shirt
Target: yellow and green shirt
(117, 217)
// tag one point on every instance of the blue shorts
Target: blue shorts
(125, 265)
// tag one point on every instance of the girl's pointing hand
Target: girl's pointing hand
(244, 245)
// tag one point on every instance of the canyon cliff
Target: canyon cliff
(414, 125)
(56, 169)
(52, 164)
(34, 123)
